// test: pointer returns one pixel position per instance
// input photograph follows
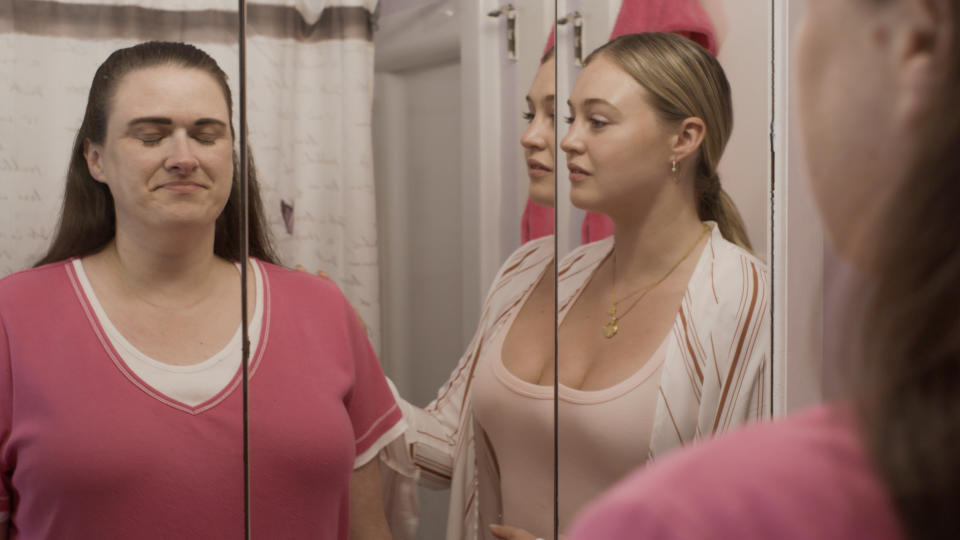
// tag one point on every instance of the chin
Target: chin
(542, 192)
(585, 200)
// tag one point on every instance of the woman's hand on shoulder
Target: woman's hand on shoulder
(506, 532)
(318, 273)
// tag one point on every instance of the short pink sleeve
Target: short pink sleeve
(375, 415)
(6, 402)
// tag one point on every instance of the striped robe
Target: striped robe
(715, 376)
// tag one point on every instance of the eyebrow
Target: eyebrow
(167, 121)
(548, 99)
(594, 101)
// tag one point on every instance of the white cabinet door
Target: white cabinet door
(493, 175)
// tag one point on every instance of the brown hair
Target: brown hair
(87, 220)
(685, 80)
(908, 377)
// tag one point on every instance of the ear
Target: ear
(688, 138)
(94, 155)
(923, 54)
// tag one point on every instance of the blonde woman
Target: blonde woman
(664, 331)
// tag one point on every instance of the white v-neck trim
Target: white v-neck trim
(192, 384)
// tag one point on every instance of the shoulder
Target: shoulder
(585, 256)
(281, 277)
(537, 252)
(806, 476)
(522, 268)
(732, 260)
(730, 255)
(296, 289)
(34, 281)
(730, 283)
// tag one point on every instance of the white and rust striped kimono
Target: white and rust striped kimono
(715, 376)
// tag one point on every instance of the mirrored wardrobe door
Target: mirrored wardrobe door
(417, 168)
(664, 297)
(77, 358)
(319, 407)
(452, 181)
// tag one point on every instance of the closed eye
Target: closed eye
(208, 133)
(150, 140)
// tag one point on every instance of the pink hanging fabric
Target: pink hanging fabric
(684, 17)
(537, 221)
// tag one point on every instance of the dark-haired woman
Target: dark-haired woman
(120, 407)
(878, 85)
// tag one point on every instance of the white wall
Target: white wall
(745, 168)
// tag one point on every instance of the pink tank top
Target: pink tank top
(604, 434)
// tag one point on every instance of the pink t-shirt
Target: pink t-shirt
(88, 450)
(804, 477)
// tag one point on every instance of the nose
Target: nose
(182, 159)
(533, 137)
(571, 143)
(531, 140)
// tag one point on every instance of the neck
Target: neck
(648, 242)
(165, 268)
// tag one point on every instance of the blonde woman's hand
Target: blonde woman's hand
(319, 273)
(506, 532)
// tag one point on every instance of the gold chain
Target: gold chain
(611, 328)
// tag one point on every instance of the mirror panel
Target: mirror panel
(451, 187)
(675, 344)
(49, 52)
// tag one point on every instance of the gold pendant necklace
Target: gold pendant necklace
(611, 328)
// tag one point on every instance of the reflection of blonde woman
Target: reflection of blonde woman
(442, 448)
(663, 333)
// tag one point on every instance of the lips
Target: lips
(182, 186)
(534, 164)
(577, 173)
(536, 169)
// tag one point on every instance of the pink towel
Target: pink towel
(684, 17)
(537, 221)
